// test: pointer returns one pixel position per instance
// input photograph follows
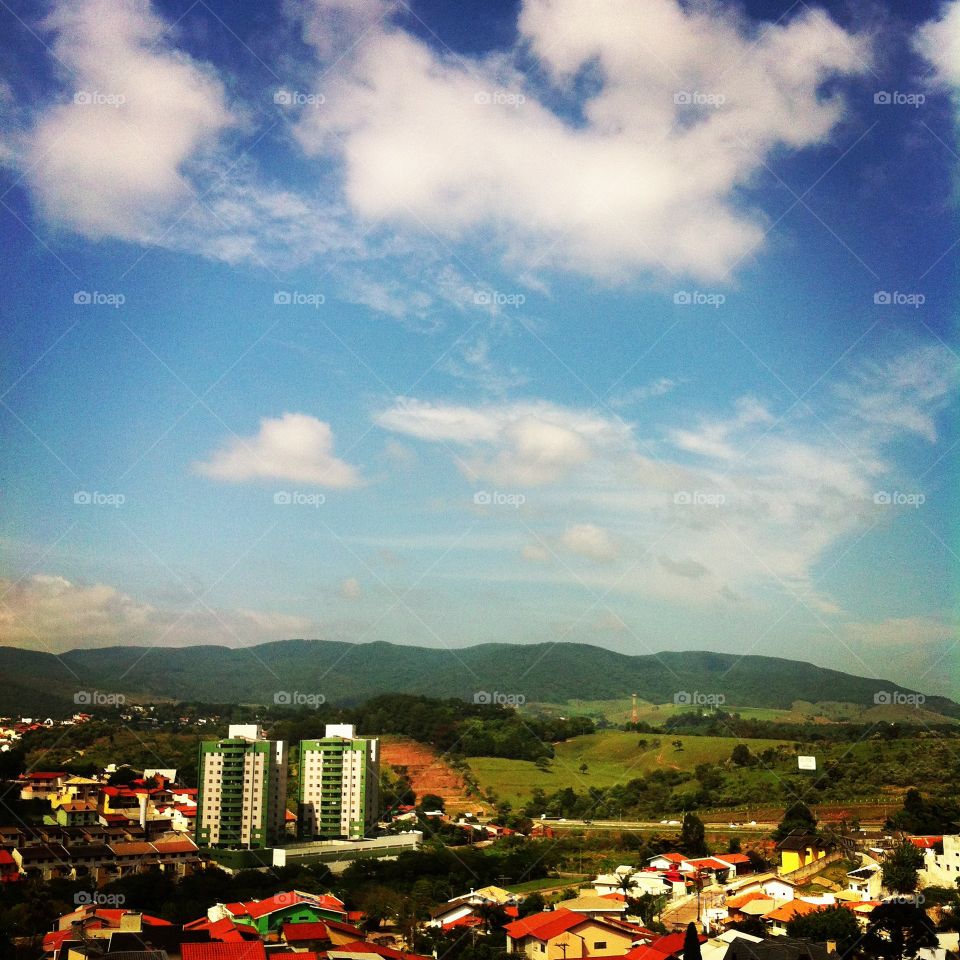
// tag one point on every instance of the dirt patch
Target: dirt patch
(429, 773)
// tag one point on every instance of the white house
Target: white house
(941, 860)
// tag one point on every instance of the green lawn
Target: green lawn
(611, 757)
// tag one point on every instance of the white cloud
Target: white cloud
(534, 553)
(656, 388)
(294, 447)
(591, 541)
(54, 614)
(938, 41)
(111, 160)
(740, 507)
(643, 182)
(524, 444)
(350, 589)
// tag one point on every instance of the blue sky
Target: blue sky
(442, 324)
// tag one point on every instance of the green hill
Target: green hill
(348, 673)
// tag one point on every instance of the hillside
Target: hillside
(349, 673)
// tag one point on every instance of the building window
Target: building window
(600, 945)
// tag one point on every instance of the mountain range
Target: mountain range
(345, 673)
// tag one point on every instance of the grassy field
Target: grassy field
(610, 756)
(802, 711)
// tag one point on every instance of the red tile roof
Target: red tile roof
(248, 950)
(926, 843)
(546, 925)
(297, 932)
(290, 898)
(733, 857)
(364, 946)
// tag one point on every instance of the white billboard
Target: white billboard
(806, 763)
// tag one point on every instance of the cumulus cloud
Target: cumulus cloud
(723, 508)
(54, 614)
(111, 159)
(938, 41)
(350, 589)
(525, 444)
(294, 447)
(683, 105)
(589, 540)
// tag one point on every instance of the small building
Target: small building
(798, 850)
(565, 935)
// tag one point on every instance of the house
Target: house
(777, 919)
(739, 861)
(564, 935)
(779, 888)
(668, 947)
(798, 850)
(239, 950)
(42, 785)
(591, 905)
(9, 871)
(941, 860)
(268, 916)
(781, 948)
(866, 881)
(753, 904)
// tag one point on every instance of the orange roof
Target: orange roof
(247, 950)
(546, 925)
(737, 902)
(733, 857)
(138, 848)
(794, 908)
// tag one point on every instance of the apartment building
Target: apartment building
(339, 790)
(241, 800)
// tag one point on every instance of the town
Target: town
(308, 859)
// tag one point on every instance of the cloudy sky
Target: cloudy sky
(630, 322)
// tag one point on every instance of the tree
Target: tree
(734, 845)
(430, 801)
(897, 930)
(834, 923)
(692, 840)
(741, 756)
(796, 818)
(900, 867)
(691, 943)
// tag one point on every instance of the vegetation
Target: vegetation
(347, 673)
